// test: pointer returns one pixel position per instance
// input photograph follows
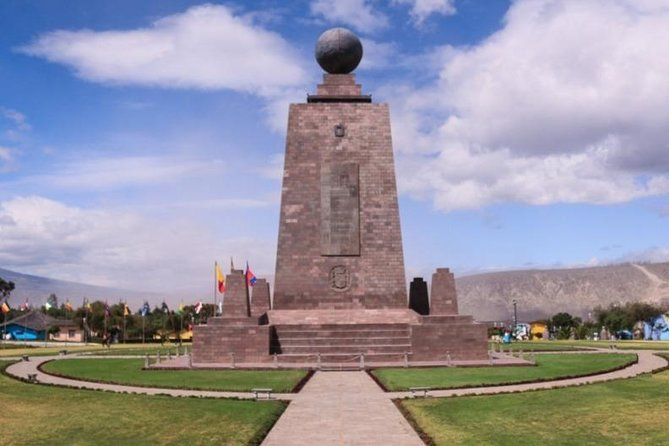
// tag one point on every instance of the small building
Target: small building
(69, 331)
(33, 326)
(538, 330)
(185, 335)
(657, 329)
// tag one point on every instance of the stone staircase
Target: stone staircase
(340, 343)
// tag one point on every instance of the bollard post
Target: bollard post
(362, 361)
(276, 361)
(178, 352)
(406, 360)
(318, 361)
(490, 358)
(448, 359)
(158, 357)
(232, 357)
(146, 361)
(169, 354)
(190, 362)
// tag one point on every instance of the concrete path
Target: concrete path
(23, 368)
(648, 362)
(342, 408)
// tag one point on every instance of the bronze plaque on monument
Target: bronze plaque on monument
(340, 210)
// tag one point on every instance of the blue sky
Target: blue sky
(141, 140)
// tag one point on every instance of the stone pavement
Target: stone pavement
(342, 408)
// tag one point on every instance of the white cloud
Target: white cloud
(6, 159)
(359, 14)
(205, 47)
(116, 248)
(422, 9)
(15, 124)
(378, 55)
(17, 118)
(109, 173)
(566, 103)
(5, 154)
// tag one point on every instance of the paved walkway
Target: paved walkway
(23, 368)
(648, 362)
(342, 408)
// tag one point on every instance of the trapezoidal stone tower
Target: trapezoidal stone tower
(340, 245)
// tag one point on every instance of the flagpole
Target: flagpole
(124, 323)
(143, 335)
(215, 285)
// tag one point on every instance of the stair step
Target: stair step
(352, 349)
(342, 327)
(335, 333)
(341, 359)
(345, 341)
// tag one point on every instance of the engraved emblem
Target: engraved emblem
(339, 130)
(340, 279)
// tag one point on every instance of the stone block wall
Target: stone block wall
(443, 295)
(236, 300)
(260, 299)
(215, 343)
(433, 342)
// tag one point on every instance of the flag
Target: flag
(220, 279)
(87, 304)
(68, 305)
(180, 309)
(198, 307)
(146, 309)
(126, 310)
(5, 307)
(47, 305)
(165, 308)
(250, 277)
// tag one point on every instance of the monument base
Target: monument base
(388, 336)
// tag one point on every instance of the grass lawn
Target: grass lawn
(43, 415)
(129, 371)
(549, 366)
(623, 412)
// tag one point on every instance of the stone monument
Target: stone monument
(340, 288)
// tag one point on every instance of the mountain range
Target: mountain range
(539, 293)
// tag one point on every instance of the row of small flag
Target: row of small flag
(251, 280)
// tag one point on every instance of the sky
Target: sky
(142, 140)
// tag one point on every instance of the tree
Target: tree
(563, 324)
(644, 312)
(6, 287)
